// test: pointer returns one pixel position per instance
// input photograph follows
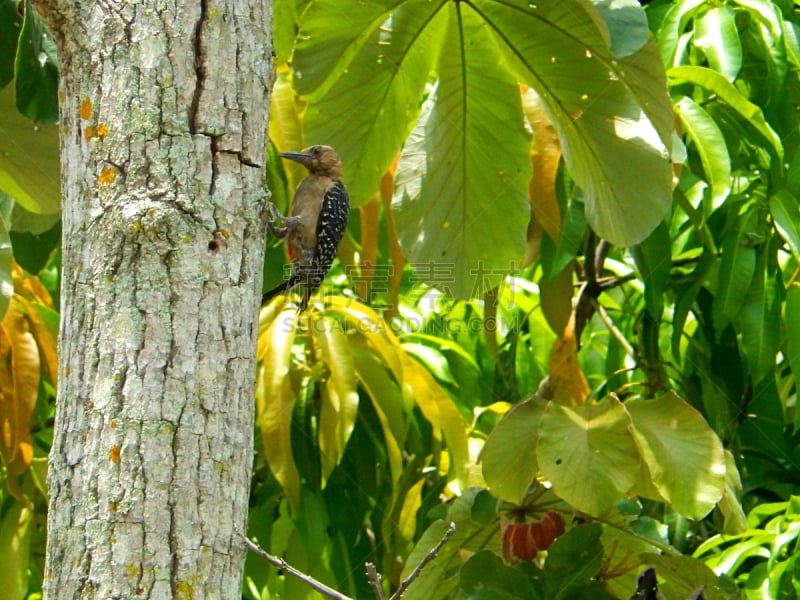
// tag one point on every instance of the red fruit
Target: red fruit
(522, 541)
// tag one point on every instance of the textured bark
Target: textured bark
(163, 115)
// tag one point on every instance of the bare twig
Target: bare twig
(429, 556)
(613, 328)
(282, 564)
(374, 579)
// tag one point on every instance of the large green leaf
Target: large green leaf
(29, 159)
(368, 111)
(588, 453)
(461, 200)
(612, 115)
(509, 455)
(710, 145)
(683, 455)
(331, 33)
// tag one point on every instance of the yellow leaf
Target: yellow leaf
(407, 521)
(45, 339)
(275, 398)
(567, 383)
(545, 157)
(285, 125)
(339, 393)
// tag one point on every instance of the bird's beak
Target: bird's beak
(300, 157)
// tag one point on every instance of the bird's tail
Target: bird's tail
(289, 283)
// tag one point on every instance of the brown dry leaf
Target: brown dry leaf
(566, 382)
(370, 214)
(395, 251)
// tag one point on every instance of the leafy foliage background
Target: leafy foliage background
(627, 177)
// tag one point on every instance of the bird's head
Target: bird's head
(319, 160)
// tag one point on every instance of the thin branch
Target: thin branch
(429, 556)
(601, 311)
(282, 564)
(374, 579)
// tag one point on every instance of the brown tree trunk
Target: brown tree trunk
(163, 119)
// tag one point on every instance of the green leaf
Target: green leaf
(717, 84)
(786, 215)
(284, 28)
(736, 269)
(672, 28)
(36, 70)
(509, 455)
(29, 159)
(370, 109)
(730, 505)
(613, 116)
(682, 576)
(760, 320)
(716, 35)
(439, 410)
(572, 560)
(770, 34)
(437, 579)
(339, 406)
(654, 261)
(556, 255)
(588, 454)
(331, 33)
(790, 311)
(15, 551)
(763, 429)
(627, 25)
(10, 27)
(683, 455)
(32, 251)
(461, 201)
(432, 358)
(387, 401)
(485, 576)
(711, 147)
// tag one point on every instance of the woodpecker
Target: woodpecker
(320, 209)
